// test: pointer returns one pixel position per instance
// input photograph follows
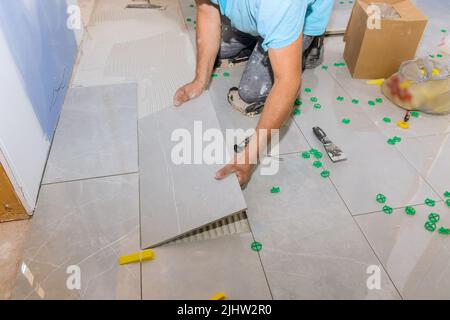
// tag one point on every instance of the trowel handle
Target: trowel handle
(320, 134)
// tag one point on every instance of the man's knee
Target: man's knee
(251, 95)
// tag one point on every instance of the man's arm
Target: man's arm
(208, 44)
(287, 68)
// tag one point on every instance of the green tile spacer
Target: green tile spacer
(443, 230)
(387, 120)
(324, 67)
(297, 112)
(379, 100)
(439, 55)
(313, 151)
(397, 139)
(214, 75)
(391, 142)
(306, 155)
(188, 19)
(227, 74)
(307, 89)
(275, 190)
(434, 217)
(355, 101)
(325, 174)
(410, 211)
(317, 164)
(345, 121)
(387, 209)
(430, 202)
(447, 202)
(371, 103)
(317, 106)
(444, 30)
(313, 99)
(430, 226)
(340, 98)
(381, 198)
(256, 246)
(317, 154)
(298, 102)
(431, 56)
(447, 194)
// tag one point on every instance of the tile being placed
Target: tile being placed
(96, 134)
(82, 224)
(312, 248)
(200, 269)
(417, 260)
(373, 166)
(430, 155)
(359, 89)
(229, 118)
(178, 191)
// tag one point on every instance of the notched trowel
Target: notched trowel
(334, 152)
(147, 5)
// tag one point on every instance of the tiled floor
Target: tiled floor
(320, 236)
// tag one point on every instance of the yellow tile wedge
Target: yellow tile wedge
(378, 82)
(137, 257)
(219, 296)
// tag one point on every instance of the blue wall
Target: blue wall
(44, 50)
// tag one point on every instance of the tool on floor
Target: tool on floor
(137, 257)
(219, 296)
(238, 148)
(334, 152)
(147, 5)
(404, 124)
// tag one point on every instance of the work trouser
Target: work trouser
(257, 79)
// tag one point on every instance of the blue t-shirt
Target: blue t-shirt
(278, 22)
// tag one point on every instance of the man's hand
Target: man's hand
(242, 171)
(187, 92)
(208, 44)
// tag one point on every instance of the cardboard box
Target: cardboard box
(373, 53)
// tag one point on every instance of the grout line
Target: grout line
(367, 240)
(260, 261)
(91, 178)
(354, 220)
(394, 208)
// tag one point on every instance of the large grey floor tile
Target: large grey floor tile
(96, 135)
(200, 269)
(340, 16)
(416, 259)
(372, 166)
(312, 247)
(430, 155)
(179, 197)
(82, 223)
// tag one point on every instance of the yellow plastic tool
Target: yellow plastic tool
(219, 296)
(137, 257)
(378, 82)
(403, 124)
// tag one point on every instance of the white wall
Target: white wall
(22, 142)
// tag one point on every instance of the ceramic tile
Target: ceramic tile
(430, 155)
(416, 259)
(200, 269)
(312, 248)
(12, 238)
(176, 198)
(86, 224)
(373, 166)
(340, 16)
(96, 135)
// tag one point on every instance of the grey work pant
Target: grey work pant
(257, 79)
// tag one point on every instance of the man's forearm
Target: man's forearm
(208, 39)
